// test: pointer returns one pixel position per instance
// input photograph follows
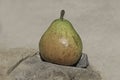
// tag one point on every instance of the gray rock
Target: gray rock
(33, 68)
(83, 62)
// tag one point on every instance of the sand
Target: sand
(22, 22)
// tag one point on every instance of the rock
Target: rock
(83, 62)
(33, 68)
(9, 57)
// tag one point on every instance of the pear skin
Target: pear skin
(61, 44)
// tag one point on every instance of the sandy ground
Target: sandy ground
(22, 22)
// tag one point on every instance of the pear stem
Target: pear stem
(62, 14)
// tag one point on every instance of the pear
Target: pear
(61, 44)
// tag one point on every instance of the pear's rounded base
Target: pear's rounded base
(82, 62)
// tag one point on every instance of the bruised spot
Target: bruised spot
(63, 52)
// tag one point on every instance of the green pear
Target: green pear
(61, 44)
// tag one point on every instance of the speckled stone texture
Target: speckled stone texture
(33, 68)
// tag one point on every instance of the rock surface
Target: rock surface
(9, 57)
(33, 68)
